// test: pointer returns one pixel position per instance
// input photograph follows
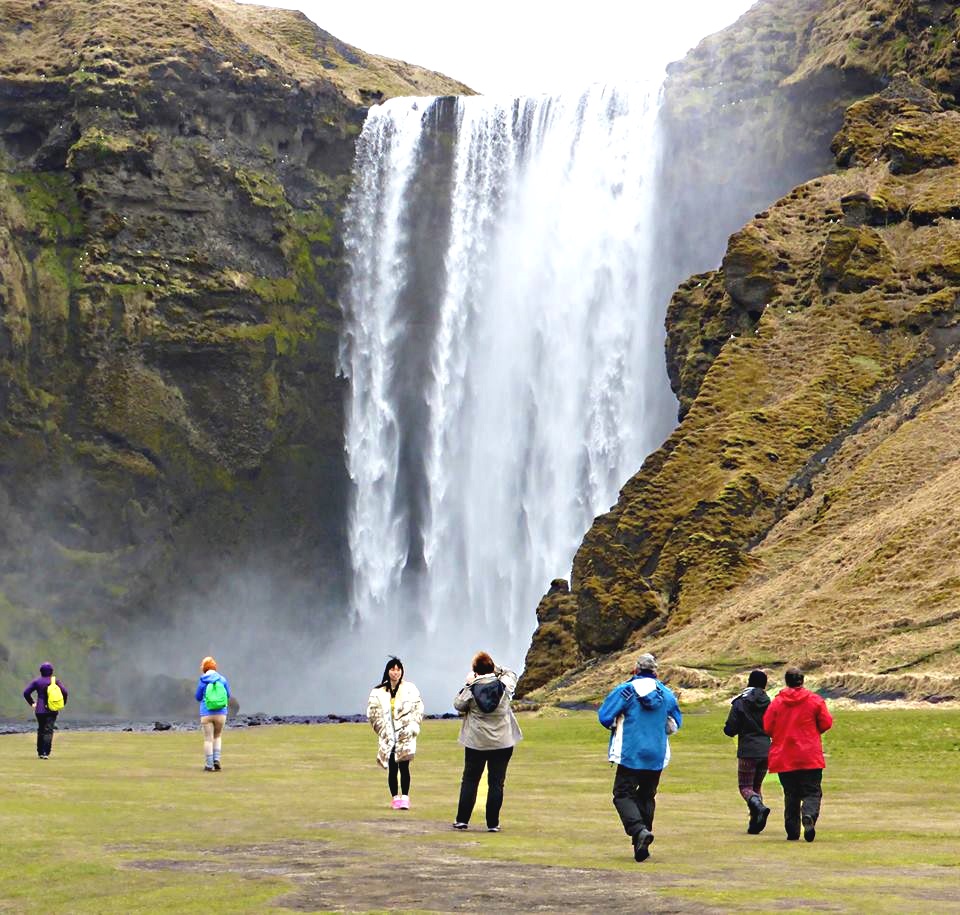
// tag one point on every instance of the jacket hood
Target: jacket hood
(646, 689)
(755, 696)
(792, 695)
(210, 676)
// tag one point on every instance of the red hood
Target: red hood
(793, 694)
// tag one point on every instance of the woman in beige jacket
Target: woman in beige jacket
(488, 732)
(395, 711)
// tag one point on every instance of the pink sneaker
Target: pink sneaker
(404, 802)
(396, 803)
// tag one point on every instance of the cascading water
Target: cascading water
(505, 359)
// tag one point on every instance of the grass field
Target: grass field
(298, 819)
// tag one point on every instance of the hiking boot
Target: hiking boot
(809, 830)
(762, 816)
(216, 765)
(758, 815)
(641, 844)
(404, 802)
(493, 829)
(209, 769)
(459, 825)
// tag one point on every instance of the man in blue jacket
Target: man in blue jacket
(640, 713)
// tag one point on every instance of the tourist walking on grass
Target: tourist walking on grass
(641, 713)
(213, 694)
(745, 722)
(52, 696)
(488, 732)
(395, 711)
(795, 720)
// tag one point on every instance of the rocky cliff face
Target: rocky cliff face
(802, 511)
(171, 182)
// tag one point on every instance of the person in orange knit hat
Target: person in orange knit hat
(213, 694)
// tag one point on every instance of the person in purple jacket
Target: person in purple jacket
(45, 717)
(213, 694)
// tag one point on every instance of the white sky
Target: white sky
(525, 47)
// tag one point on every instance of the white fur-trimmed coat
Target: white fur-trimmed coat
(399, 732)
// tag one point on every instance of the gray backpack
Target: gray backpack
(487, 694)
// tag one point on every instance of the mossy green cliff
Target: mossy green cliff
(172, 177)
(804, 509)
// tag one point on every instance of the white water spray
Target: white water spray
(542, 384)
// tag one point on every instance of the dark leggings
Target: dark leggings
(750, 774)
(404, 769)
(45, 725)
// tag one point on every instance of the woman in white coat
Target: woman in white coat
(395, 711)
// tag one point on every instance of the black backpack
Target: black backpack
(487, 694)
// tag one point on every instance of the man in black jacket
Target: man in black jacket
(745, 722)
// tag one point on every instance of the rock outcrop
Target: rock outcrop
(802, 511)
(172, 177)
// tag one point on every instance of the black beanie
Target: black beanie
(757, 678)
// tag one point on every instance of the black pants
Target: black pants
(404, 770)
(634, 796)
(45, 723)
(801, 797)
(496, 762)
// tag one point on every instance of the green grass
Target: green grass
(129, 822)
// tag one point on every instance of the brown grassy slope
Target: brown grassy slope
(859, 584)
(861, 577)
(53, 38)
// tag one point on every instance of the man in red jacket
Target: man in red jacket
(795, 720)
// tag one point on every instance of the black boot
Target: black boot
(641, 844)
(758, 815)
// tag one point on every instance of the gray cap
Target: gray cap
(647, 662)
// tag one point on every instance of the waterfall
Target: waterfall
(504, 357)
